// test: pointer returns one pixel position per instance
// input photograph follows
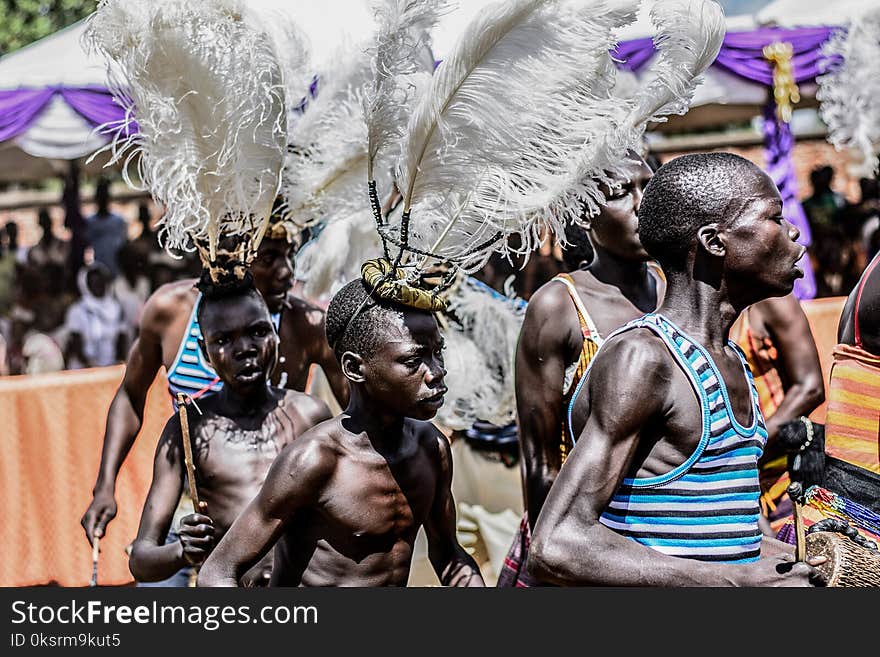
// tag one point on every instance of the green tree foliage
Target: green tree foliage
(24, 21)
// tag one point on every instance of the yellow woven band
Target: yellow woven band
(387, 284)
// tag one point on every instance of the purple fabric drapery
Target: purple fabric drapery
(19, 108)
(778, 144)
(742, 53)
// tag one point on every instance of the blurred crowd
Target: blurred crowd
(845, 235)
(76, 302)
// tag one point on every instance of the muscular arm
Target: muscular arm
(800, 369)
(295, 480)
(453, 565)
(151, 559)
(541, 356)
(125, 417)
(570, 546)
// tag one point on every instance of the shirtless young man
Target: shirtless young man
(565, 323)
(167, 335)
(235, 434)
(345, 500)
(662, 485)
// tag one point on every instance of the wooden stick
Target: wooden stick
(96, 542)
(190, 470)
(795, 492)
(187, 453)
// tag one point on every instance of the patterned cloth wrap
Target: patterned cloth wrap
(821, 503)
(513, 570)
(389, 283)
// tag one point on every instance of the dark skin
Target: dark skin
(163, 324)
(647, 427)
(616, 287)
(869, 312)
(345, 501)
(235, 438)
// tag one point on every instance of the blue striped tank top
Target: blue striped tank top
(190, 372)
(707, 508)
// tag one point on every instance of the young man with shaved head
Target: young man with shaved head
(661, 487)
(345, 500)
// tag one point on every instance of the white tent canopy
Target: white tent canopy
(59, 133)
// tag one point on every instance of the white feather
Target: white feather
(479, 357)
(326, 168)
(849, 93)
(401, 61)
(205, 86)
(688, 38)
(334, 257)
(517, 97)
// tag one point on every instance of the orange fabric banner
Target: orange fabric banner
(51, 434)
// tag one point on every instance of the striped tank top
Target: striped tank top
(190, 372)
(707, 508)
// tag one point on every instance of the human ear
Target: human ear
(204, 349)
(352, 367)
(710, 239)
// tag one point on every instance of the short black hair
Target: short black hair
(685, 194)
(579, 249)
(357, 320)
(228, 289)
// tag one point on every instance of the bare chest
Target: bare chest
(371, 502)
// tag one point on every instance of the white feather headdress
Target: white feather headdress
(203, 81)
(325, 178)
(520, 126)
(848, 93)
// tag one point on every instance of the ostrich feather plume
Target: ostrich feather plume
(203, 81)
(688, 36)
(848, 92)
(518, 95)
(479, 355)
(402, 62)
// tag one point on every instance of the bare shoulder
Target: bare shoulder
(433, 441)
(547, 306)
(313, 456)
(304, 314)
(312, 409)
(167, 303)
(638, 355)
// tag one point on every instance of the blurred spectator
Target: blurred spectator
(13, 248)
(49, 255)
(96, 334)
(835, 262)
(106, 232)
(824, 206)
(33, 346)
(864, 216)
(74, 221)
(8, 264)
(132, 287)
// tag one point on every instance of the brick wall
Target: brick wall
(808, 154)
